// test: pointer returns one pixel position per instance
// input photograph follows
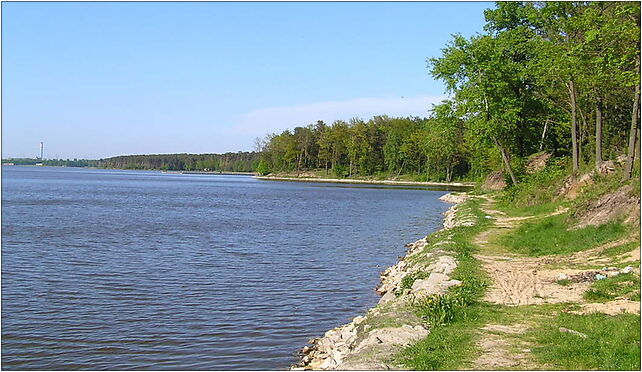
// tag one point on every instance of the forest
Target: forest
(559, 77)
(54, 162)
(228, 162)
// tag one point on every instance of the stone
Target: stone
(627, 270)
(403, 335)
(561, 277)
(576, 333)
(358, 319)
(389, 296)
(431, 285)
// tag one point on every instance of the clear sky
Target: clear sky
(95, 80)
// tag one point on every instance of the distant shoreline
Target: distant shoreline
(370, 182)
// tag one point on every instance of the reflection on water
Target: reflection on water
(106, 269)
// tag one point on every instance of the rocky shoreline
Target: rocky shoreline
(370, 341)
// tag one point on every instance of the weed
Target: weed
(623, 285)
(409, 280)
(549, 235)
(613, 342)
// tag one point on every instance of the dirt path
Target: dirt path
(500, 349)
(519, 280)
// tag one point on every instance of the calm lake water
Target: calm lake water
(108, 269)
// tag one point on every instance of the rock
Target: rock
(451, 283)
(358, 319)
(607, 167)
(403, 335)
(561, 277)
(431, 285)
(387, 297)
(600, 277)
(455, 198)
(627, 270)
(444, 264)
(566, 330)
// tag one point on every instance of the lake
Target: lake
(117, 269)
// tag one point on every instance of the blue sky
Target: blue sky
(94, 80)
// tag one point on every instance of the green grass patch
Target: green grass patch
(453, 317)
(446, 348)
(549, 235)
(623, 285)
(409, 280)
(619, 249)
(613, 342)
(564, 282)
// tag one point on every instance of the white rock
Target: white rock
(561, 277)
(393, 336)
(627, 270)
(389, 296)
(431, 285)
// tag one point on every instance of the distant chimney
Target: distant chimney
(42, 146)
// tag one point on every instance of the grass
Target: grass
(613, 342)
(619, 249)
(409, 280)
(457, 317)
(619, 286)
(513, 210)
(454, 316)
(550, 236)
(446, 348)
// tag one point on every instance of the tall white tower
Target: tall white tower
(42, 146)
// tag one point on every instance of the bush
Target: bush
(263, 168)
(539, 187)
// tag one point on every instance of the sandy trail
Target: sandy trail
(519, 280)
(499, 350)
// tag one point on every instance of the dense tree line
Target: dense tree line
(428, 147)
(54, 162)
(562, 77)
(228, 162)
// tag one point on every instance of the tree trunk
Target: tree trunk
(401, 169)
(630, 158)
(598, 133)
(427, 166)
(572, 98)
(583, 132)
(350, 172)
(541, 144)
(509, 169)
